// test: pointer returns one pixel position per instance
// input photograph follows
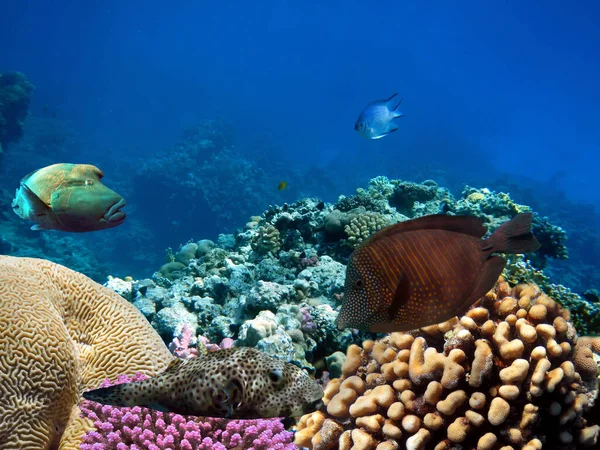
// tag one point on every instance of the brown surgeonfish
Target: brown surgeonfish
(427, 270)
(233, 383)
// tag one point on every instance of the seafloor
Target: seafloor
(514, 372)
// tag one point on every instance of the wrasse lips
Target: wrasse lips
(115, 213)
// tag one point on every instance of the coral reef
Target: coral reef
(15, 96)
(509, 374)
(61, 333)
(364, 225)
(276, 283)
(142, 428)
(585, 310)
(211, 176)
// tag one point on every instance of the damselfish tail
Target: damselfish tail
(514, 236)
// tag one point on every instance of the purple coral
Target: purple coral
(311, 261)
(306, 322)
(180, 346)
(225, 343)
(144, 429)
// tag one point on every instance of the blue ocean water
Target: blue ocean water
(502, 95)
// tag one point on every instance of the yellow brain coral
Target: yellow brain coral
(507, 375)
(60, 334)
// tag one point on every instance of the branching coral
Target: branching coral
(144, 429)
(506, 375)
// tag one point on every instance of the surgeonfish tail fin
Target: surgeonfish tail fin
(513, 237)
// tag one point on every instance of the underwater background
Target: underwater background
(503, 96)
(229, 129)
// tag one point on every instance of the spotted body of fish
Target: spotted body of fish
(425, 271)
(237, 383)
(375, 121)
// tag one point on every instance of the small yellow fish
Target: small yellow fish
(282, 185)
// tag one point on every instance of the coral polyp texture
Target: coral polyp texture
(60, 334)
(141, 428)
(509, 374)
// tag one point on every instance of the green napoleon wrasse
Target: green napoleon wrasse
(68, 197)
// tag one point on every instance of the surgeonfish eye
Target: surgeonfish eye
(358, 283)
(276, 376)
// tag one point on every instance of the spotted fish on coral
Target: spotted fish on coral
(427, 270)
(236, 383)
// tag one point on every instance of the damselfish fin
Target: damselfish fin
(393, 128)
(36, 205)
(38, 227)
(396, 112)
(491, 270)
(514, 236)
(390, 99)
(468, 225)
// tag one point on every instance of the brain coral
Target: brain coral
(504, 376)
(61, 333)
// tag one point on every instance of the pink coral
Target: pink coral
(180, 346)
(144, 429)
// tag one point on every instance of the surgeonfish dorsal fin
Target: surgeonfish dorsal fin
(471, 226)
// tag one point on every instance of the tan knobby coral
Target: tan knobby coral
(60, 334)
(504, 376)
